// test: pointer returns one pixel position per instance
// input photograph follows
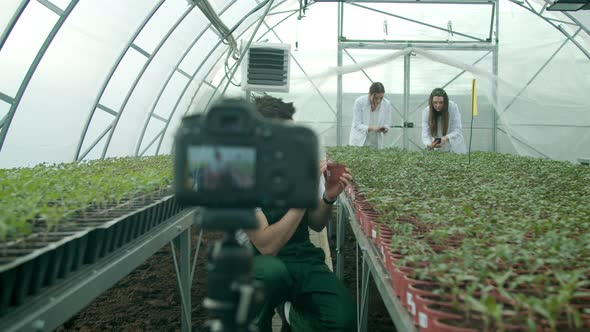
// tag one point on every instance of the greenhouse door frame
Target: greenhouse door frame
(490, 45)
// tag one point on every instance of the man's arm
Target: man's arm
(318, 217)
(270, 239)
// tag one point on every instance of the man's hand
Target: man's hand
(323, 167)
(384, 130)
(332, 190)
(444, 140)
(318, 217)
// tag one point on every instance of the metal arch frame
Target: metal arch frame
(237, 64)
(105, 84)
(113, 126)
(271, 29)
(161, 135)
(12, 22)
(209, 71)
(165, 85)
(7, 120)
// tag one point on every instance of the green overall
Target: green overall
(298, 274)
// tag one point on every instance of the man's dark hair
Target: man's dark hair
(274, 108)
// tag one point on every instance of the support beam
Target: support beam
(417, 22)
(400, 45)
(406, 99)
(339, 78)
(49, 5)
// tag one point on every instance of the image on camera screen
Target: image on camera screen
(221, 168)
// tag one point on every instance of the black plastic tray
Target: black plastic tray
(43, 258)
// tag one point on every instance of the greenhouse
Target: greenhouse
(278, 165)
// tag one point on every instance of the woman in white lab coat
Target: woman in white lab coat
(441, 124)
(371, 118)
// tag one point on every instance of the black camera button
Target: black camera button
(263, 132)
(279, 183)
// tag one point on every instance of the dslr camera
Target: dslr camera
(232, 157)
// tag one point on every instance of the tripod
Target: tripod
(231, 290)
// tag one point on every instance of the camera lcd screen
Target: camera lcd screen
(221, 168)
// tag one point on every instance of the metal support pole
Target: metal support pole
(495, 101)
(180, 269)
(339, 81)
(340, 233)
(364, 305)
(495, 64)
(185, 278)
(406, 98)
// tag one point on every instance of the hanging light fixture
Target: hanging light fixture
(569, 5)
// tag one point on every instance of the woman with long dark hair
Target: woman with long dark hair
(441, 124)
(371, 118)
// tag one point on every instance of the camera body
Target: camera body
(232, 157)
(438, 140)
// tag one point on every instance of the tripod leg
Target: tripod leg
(185, 278)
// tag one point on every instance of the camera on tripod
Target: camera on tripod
(233, 158)
(229, 161)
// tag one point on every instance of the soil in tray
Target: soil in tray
(148, 300)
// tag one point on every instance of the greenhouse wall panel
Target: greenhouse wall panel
(20, 49)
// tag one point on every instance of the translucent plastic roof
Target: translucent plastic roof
(92, 79)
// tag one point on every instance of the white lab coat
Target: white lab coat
(456, 142)
(361, 112)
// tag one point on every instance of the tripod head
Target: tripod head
(231, 290)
